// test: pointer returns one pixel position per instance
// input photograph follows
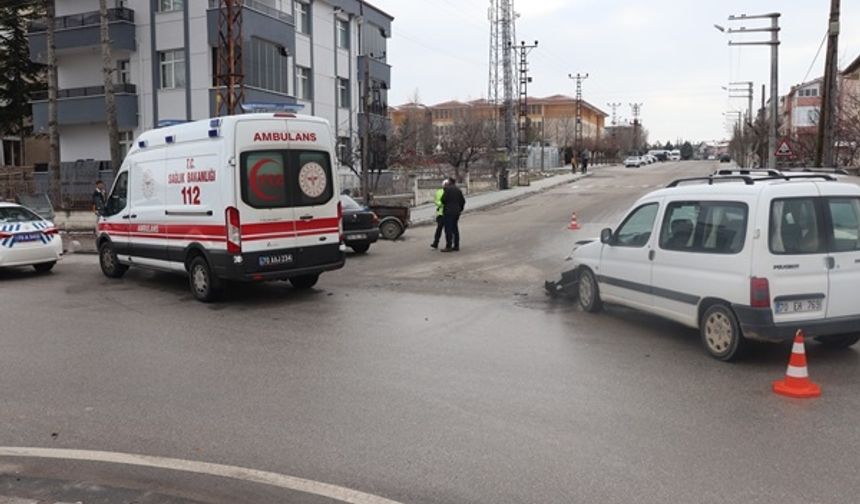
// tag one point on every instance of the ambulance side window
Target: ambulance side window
(119, 196)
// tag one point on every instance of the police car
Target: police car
(27, 239)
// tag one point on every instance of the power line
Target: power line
(820, 46)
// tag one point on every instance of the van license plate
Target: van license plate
(275, 260)
(359, 236)
(801, 306)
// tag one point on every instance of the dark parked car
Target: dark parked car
(725, 158)
(360, 225)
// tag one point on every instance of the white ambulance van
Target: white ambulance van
(250, 197)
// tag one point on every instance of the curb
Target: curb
(512, 199)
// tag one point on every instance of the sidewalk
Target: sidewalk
(426, 214)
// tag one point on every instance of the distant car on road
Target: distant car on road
(27, 239)
(633, 162)
(741, 256)
(725, 158)
(360, 225)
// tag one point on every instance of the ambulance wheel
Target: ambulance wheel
(44, 267)
(839, 340)
(204, 285)
(305, 281)
(109, 263)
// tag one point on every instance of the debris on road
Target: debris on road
(566, 287)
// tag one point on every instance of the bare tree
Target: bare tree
(470, 137)
(110, 99)
(847, 132)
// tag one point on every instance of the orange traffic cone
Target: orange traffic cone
(573, 226)
(797, 383)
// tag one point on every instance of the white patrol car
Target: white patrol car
(249, 197)
(739, 257)
(27, 239)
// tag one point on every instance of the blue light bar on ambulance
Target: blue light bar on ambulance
(169, 122)
(169, 139)
(142, 144)
(215, 123)
(271, 107)
(213, 133)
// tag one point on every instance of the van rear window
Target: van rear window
(286, 178)
(795, 227)
(845, 215)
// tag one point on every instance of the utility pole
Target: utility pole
(523, 51)
(501, 79)
(774, 69)
(636, 109)
(746, 92)
(577, 129)
(365, 109)
(230, 77)
(107, 76)
(826, 118)
(53, 87)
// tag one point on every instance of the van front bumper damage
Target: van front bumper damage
(304, 261)
(758, 324)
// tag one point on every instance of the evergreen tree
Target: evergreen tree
(687, 151)
(19, 76)
(669, 146)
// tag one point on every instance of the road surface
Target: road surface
(409, 376)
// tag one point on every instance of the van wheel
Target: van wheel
(109, 263)
(44, 267)
(305, 281)
(204, 285)
(589, 292)
(839, 340)
(391, 229)
(721, 333)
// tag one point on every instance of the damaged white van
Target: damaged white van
(739, 257)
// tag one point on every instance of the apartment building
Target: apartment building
(552, 118)
(165, 52)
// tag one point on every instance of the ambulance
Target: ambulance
(250, 197)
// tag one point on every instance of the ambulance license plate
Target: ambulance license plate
(799, 306)
(275, 260)
(27, 237)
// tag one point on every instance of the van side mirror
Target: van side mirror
(606, 236)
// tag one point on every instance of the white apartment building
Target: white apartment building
(165, 54)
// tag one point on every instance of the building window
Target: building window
(126, 140)
(169, 5)
(343, 93)
(268, 66)
(172, 68)
(123, 72)
(303, 18)
(303, 83)
(343, 34)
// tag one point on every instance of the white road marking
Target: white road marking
(335, 492)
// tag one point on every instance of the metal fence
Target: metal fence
(71, 190)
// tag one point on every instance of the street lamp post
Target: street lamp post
(774, 69)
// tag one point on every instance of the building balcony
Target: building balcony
(258, 20)
(79, 31)
(377, 119)
(379, 71)
(86, 105)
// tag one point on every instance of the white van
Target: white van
(675, 155)
(738, 257)
(249, 197)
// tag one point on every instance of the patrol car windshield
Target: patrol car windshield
(17, 214)
(286, 178)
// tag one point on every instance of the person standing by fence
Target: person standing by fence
(453, 203)
(440, 214)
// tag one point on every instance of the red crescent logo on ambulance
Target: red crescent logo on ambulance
(256, 178)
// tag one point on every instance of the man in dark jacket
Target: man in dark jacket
(453, 203)
(99, 198)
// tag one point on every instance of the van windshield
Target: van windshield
(286, 178)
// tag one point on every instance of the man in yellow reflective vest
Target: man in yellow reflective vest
(440, 221)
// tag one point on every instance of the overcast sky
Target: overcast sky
(662, 53)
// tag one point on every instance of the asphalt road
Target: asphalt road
(412, 375)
